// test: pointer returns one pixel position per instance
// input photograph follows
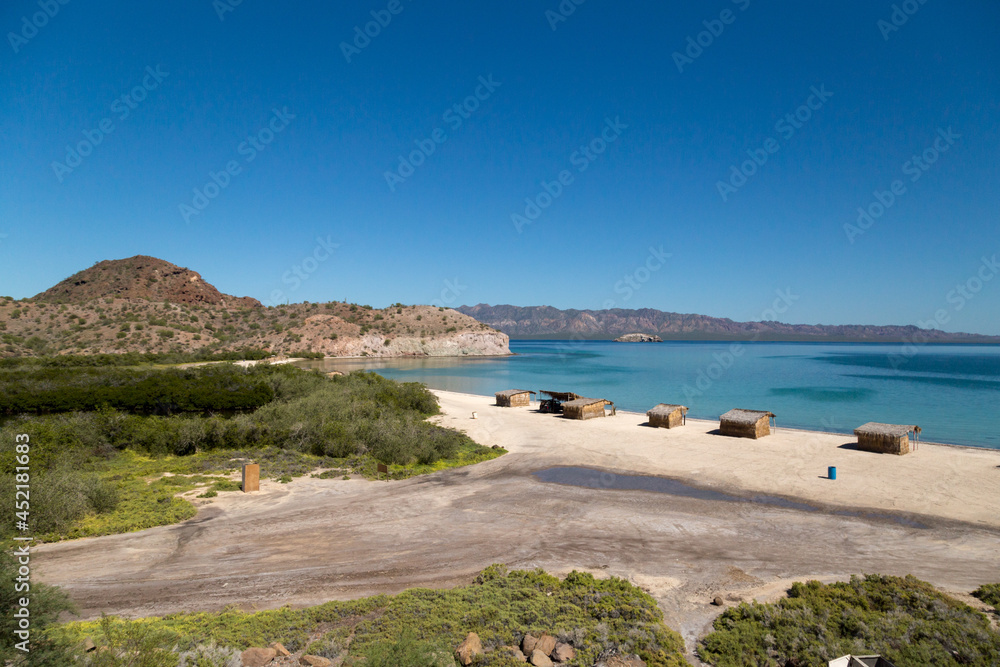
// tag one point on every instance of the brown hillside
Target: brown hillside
(144, 304)
(140, 277)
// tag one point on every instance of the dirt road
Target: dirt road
(315, 540)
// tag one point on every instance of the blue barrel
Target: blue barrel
(831, 472)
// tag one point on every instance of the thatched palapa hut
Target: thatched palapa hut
(561, 395)
(514, 398)
(667, 415)
(586, 408)
(887, 438)
(746, 423)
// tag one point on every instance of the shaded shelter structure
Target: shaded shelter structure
(555, 400)
(586, 408)
(887, 438)
(667, 415)
(513, 398)
(740, 423)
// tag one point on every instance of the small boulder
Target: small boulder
(88, 645)
(516, 653)
(258, 657)
(563, 652)
(472, 646)
(539, 659)
(280, 649)
(528, 643)
(546, 644)
(717, 601)
(315, 661)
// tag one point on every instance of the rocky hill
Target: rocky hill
(549, 322)
(140, 277)
(143, 304)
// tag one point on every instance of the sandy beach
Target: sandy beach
(944, 481)
(933, 514)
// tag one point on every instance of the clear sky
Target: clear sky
(406, 166)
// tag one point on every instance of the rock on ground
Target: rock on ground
(539, 659)
(472, 646)
(562, 652)
(546, 644)
(315, 661)
(258, 657)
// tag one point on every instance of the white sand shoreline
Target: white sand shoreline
(779, 428)
(949, 482)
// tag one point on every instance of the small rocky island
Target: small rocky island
(638, 338)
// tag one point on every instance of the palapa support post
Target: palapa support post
(251, 477)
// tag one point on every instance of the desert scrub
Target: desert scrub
(904, 619)
(97, 460)
(595, 614)
(990, 594)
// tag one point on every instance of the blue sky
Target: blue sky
(833, 104)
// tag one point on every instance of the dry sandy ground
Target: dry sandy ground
(935, 514)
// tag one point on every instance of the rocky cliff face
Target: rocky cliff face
(546, 321)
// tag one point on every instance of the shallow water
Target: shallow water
(951, 391)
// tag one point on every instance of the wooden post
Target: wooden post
(251, 477)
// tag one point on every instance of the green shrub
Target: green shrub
(47, 603)
(904, 619)
(990, 594)
(421, 627)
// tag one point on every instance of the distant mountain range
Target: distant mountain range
(549, 322)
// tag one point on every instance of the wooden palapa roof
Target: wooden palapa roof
(581, 402)
(665, 409)
(562, 395)
(514, 392)
(739, 416)
(876, 428)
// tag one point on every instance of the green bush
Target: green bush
(990, 594)
(421, 627)
(148, 391)
(904, 619)
(46, 604)
(86, 484)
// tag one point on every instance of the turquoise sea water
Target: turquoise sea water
(951, 391)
